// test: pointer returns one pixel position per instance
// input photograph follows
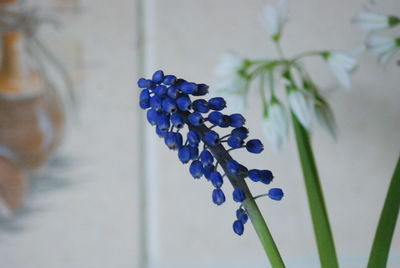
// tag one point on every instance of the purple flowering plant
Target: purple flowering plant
(173, 103)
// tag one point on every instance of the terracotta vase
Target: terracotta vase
(31, 114)
(31, 119)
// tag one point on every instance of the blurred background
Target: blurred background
(106, 192)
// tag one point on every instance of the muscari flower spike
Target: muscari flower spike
(170, 107)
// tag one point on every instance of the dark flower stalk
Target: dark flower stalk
(170, 108)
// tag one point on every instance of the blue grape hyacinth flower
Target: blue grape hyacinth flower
(173, 103)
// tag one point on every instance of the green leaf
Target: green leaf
(319, 215)
(387, 223)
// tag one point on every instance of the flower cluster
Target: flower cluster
(371, 23)
(235, 74)
(170, 108)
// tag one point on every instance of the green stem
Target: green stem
(306, 54)
(262, 95)
(237, 180)
(263, 233)
(319, 215)
(279, 49)
(387, 223)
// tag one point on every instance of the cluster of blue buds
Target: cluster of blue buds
(170, 107)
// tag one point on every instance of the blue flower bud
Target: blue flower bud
(183, 103)
(179, 82)
(196, 169)
(169, 105)
(216, 179)
(188, 88)
(266, 176)
(254, 146)
(144, 95)
(173, 92)
(152, 116)
(217, 103)
(156, 103)
(144, 104)
(169, 80)
(158, 77)
(173, 140)
(145, 83)
(202, 89)
(241, 215)
(218, 197)
(275, 194)
(206, 158)
(235, 142)
(163, 122)
(194, 153)
(196, 119)
(160, 133)
(254, 175)
(208, 170)
(177, 120)
(225, 121)
(184, 154)
(215, 118)
(241, 132)
(193, 138)
(238, 195)
(236, 120)
(160, 90)
(211, 138)
(238, 227)
(233, 166)
(200, 106)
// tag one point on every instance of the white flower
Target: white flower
(273, 18)
(326, 118)
(230, 85)
(370, 21)
(275, 125)
(229, 65)
(340, 65)
(384, 47)
(301, 107)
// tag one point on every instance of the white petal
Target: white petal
(379, 45)
(347, 62)
(301, 107)
(326, 118)
(273, 17)
(341, 75)
(340, 64)
(271, 134)
(275, 126)
(385, 57)
(228, 65)
(279, 119)
(370, 21)
(270, 20)
(228, 78)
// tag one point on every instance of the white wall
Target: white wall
(95, 221)
(187, 38)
